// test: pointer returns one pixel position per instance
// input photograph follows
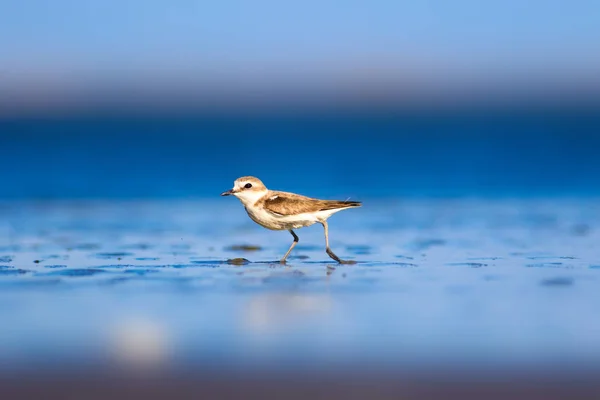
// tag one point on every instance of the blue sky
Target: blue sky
(111, 34)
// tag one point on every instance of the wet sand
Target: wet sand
(447, 299)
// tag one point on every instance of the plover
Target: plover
(286, 211)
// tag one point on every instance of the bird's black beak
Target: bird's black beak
(227, 193)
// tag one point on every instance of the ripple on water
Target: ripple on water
(546, 265)
(137, 246)
(207, 263)
(403, 264)
(6, 259)
(78, 272)
(326, 261)
(138, 271)
(86, 246)
(116, 280)
(116, 255)
(385, 263)
(243, 247)
(55, 266)
(467, 264)
(12, 271)
(557, 281)
(56, 257)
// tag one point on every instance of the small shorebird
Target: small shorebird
(286, 211)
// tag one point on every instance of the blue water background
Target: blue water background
(362, 155)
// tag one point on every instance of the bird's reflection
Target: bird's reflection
(330, 270)
(272, 313)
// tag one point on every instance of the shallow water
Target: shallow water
(436, 284)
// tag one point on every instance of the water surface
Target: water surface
(438, 284)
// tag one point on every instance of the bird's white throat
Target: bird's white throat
(250, 197)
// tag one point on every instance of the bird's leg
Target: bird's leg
(291, 247)
(327, 249)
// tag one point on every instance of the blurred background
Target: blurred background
(145, 106)
(148, 99)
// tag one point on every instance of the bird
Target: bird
(276, 210)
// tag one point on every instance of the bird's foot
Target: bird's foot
(339, 260)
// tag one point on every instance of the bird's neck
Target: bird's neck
(250, 198)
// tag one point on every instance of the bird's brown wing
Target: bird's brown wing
(282, 203)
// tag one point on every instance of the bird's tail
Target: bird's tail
(335, 204)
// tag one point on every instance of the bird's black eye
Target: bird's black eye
(248, 185)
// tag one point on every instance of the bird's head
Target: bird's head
(248, 189)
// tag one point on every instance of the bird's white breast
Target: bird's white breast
(279, 222)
